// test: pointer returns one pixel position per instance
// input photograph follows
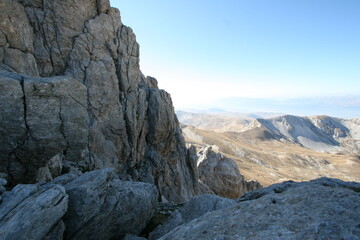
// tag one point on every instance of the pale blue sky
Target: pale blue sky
(203, 50)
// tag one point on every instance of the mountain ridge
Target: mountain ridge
(283, 148)
(319, 132)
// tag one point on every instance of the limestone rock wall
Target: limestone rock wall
(70, 84)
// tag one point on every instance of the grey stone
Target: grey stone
(103, 207)
(3, 182)
(192, 209)
(43, 175)
(40, 119)
(52, 169)
(20, 62)
(65, 178)
(57, 232)
(132, 237)
(12, 119)
(319, 209)
(151, 82)
(32, 212)
(103, 113)
(221, 175)
(15, 27)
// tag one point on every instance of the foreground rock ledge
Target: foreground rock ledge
(320, 209)
(94, 205)
(101, 206)
(33, 212)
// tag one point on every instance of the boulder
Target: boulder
(221, 175)
(33, 212)
(101, 206)
(320, 209)
(192, 209)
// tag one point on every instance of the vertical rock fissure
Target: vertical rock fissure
(128, 129)
(28, 130)
(62, 128)
(90, 114)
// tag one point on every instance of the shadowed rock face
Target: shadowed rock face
(70, 84)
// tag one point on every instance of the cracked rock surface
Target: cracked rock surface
(101, 206)
(320, 209)
(70, 84)
(93, 205)
(43, 205)
(222, 176)
(196, 207)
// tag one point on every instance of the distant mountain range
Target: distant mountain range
(220, 120)
(320, 133)
(343, 107)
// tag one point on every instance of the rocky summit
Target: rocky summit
(320, 209)
(90, 148)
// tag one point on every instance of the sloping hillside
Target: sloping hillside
(320, 133)
(271, 152)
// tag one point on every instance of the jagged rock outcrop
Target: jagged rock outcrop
(101, 206)
(320, 209)
(70, 84)
(192, 209)
(33, 212)
(222, 176)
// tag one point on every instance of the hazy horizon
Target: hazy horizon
(341, 107)
(203, 51)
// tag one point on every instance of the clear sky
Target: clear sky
(208, 49)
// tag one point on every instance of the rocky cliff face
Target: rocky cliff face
(222, 176)
(70, 84)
